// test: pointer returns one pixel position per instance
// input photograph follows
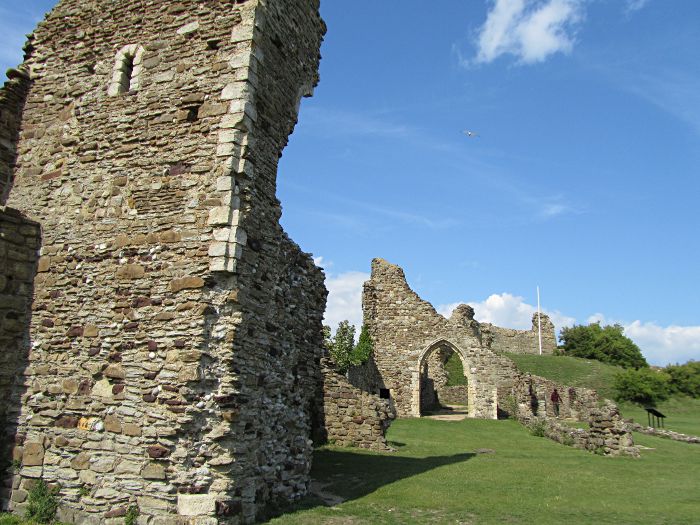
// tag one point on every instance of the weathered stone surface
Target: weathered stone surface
(33, 454)
(186, 283)
(196, 505)
(118, 146)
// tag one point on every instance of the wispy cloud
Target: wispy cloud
(530, 30)
(674, 91)
(352, 123)
(635, 5)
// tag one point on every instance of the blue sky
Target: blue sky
(583, 178)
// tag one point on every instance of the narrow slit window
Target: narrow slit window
(127, 70)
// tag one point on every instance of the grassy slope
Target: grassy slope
(570, 371)
(435, 477)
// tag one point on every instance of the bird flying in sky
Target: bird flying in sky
(470, 134)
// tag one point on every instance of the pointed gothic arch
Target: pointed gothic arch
(467, 366)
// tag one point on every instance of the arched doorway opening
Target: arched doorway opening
(442, 379)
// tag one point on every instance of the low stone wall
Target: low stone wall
(607, 435)
(531, 396)
(662, 432)
(19, 243)
(453, 395)
(521, 341)
(352, 417)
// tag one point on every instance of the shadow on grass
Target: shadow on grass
(340, 475)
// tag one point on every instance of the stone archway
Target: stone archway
(469, 372)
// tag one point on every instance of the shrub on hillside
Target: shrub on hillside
(685, 379)
(643, 386)
(607, 344)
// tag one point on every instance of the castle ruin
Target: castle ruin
(412, 342)
(170, 359)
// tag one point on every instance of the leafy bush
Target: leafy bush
(643, 386)
(685, 379)
(42, 503)
(607, 344)
(537, 427)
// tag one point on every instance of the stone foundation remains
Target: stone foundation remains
(174, 342)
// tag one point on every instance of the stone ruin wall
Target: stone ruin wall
(168, 368)
(522, 341)
(19, 244)
(351, 416)
(408, 332)
(410, 337)
(403, 327)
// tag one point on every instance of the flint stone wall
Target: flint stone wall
(607, 433)
(12, 97)
(168, 367)
(412, 341)
(352, 417)
(533, 397)
(406, 330)
(19, 246)
(522, 341)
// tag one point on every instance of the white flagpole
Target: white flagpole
(539, 319)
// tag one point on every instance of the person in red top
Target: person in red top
(555, 400)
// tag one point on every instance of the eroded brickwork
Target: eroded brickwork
(176, 330)
(12, 97)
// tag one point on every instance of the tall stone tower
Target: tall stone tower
(171, 357)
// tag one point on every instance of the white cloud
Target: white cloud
(508, 311)
(345, 298)
(660, 345)
(531, 30)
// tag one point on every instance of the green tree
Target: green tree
(341, 346)
(607, 344)
(685, 379)
(363, 350)
(643, 386)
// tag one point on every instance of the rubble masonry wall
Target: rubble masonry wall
(176, 330)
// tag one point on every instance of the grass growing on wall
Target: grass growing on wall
(437, 476)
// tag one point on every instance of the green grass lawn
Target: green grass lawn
(570, 371)
(682, 415)
(436, 477)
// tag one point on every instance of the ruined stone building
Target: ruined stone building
(412, 342)
(170, 359)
